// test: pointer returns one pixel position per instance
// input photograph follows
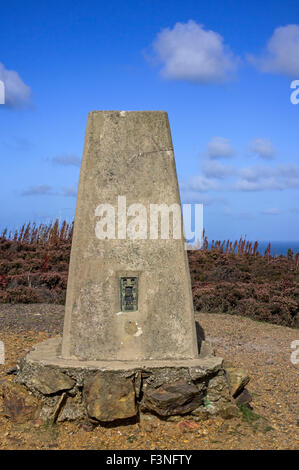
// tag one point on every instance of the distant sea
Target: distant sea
(278, 248)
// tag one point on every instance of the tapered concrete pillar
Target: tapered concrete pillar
(129, 295)
(129, 345)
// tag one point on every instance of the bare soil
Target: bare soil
(262, 349)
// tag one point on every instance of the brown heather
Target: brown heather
(227, 277)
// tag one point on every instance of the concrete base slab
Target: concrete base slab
(48, 353)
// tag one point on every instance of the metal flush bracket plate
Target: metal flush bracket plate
(129, 294)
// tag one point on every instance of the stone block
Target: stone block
(109, 397)
(172, 399)
(238, 379)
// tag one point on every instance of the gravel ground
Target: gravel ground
(34, 317)
(262, 349)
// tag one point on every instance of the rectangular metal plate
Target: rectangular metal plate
(128, 294)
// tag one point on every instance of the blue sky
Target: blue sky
(221, 69)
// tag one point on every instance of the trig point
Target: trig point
(129, 343)
(128, 299)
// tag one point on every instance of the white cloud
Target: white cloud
(246, 179)
(257, 172)
(17, 94)
(260, 178)
(219, 147)
(263, 148)
(254, 173)
(18, 143)
(193, 197)
(214, 169)
(261, 185)
(289, 171)
(67, 160)
(39, 190)
(217, 177)
(282, 52)
(201, 184)
(189, 52)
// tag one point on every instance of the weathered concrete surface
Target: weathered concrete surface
(48, 354)
(127, 154)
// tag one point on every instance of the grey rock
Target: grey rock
(49, 381)
(46, 413)
(218, 388)
(244, 397)
(218, 395)
(201, 413)
(172, 399)
(229, 411)
(238, 379)
(73, 410)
